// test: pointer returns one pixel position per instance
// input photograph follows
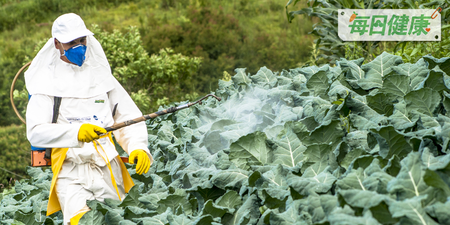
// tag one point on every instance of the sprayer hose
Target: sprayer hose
(12, 90)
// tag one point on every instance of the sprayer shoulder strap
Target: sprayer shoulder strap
(56, 106)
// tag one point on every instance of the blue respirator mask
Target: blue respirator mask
(76, 54)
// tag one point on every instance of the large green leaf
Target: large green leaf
(397, 85)
(424, 101)
(274, 198)
(436, 80)
(329, 134)
(382, 214)
(165, 132)
(150, 200)
(378, 68)
(417, 72)
(319, 207)
(309, 71)
(179, 220)
(345, 218)
(446, 102)
(276, 177)
(174, 201)
(402, 118)
(248, 213)
(231, 200)
(252, 149)
(26, 218)
(290, 216)
(411, 212)
(264, 77)
(443, 63)
(377, 179)
(161, 218)
(197, 178)
(359, 107)
(318, 84)
(317, 153)
(202, 156)
(288, 150)
(338, 91)
(132, 198)
(434, 162)
(363, 123)
(382, 103)
(92, 217)
(357, 139)
(315, 179)
(210, 208)
(131, 212)
(433, 179)
(348, 157)
(241, 78)
(409, 183)
(313, 106)
(361, 198)
(273, 187)
(355, 73)
(230, 178)
(353, 180)
(440, 212)
(113, 218)
(391, 142)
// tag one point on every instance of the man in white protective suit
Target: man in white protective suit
(86, 166)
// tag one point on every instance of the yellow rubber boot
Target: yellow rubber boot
(74, 220)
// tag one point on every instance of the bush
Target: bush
(224, 42)
(207, 33)
(36, 11)
(10, 63)
(329, 47)
(150, 80)
(15, 154)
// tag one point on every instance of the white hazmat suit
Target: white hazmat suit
(89, 94)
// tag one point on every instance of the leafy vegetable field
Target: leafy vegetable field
(351, 144)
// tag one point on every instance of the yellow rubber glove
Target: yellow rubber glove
(89, 132)
(143, 161)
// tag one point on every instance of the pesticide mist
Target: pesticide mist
(245, 112)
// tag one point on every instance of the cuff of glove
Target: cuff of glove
(76, 129)
(145, 150)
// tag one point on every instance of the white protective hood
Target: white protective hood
(49, 75)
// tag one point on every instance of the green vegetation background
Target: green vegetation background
(224, 35)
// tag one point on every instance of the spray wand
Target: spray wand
(152, 116)
(156, 114)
